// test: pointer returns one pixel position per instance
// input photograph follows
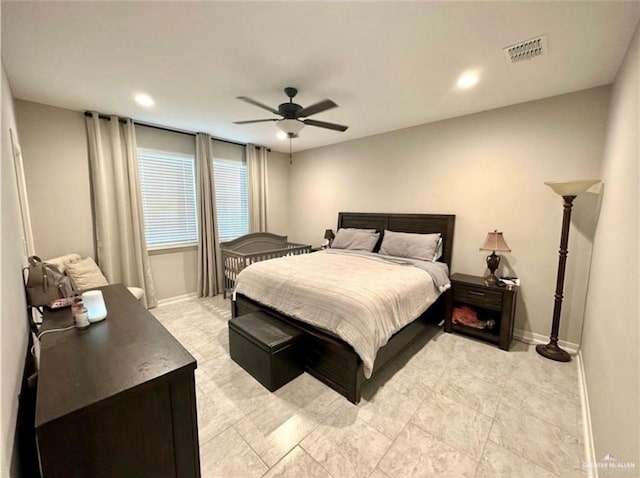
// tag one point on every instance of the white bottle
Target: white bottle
(82, 316)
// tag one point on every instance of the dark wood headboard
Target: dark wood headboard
(416, 223)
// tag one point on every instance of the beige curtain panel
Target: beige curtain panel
(209, 261)
(258, 187)
(121, 248)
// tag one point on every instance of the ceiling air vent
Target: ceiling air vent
(526, 50)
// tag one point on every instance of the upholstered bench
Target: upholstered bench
(266, 347)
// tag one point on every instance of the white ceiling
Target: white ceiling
(388, 65)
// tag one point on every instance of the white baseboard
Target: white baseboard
(587, 432)
(177, 298)
(533, 338)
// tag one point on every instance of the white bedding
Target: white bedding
(362, 299)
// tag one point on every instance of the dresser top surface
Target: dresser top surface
(81, 368)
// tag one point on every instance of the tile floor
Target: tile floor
(449, 406)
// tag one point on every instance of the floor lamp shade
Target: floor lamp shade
(571, 188)
(568, 190)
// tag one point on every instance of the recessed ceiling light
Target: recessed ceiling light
(282, 135)
(144, 99)
(468, 79)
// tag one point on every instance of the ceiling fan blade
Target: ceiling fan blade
(255, 121)
(315, 108)
(258, 104)
(324, 124)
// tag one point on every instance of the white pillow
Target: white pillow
(412, 246)
(355, 239)
(86, 274)
(61, 262)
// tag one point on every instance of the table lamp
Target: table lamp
(329, 237)
(494, 242)
(568, 190)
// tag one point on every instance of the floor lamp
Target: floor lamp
(568, 191)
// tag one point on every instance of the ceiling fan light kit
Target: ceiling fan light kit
(291, 112)
(290, 127)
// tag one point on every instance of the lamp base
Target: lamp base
(553, 352)
(493, 261)
(491, 279)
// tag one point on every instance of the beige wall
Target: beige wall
(610, 341)
(13, 325)
(174, 271)
(486, 168)
(54, 149)
(163, 140)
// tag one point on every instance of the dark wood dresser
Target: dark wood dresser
(117, 399)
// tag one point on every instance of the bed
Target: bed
(329, 358)
(254, 247)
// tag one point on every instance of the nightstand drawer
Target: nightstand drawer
(477, 296)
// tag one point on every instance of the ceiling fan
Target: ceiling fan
(291, 122)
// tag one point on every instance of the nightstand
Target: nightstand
(490, 303)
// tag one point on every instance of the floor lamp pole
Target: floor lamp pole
(551, 350)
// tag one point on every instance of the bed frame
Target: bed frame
(330, 359)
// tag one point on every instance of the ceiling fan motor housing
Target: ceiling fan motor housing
(289, 110)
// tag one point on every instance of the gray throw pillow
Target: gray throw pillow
(412, 246)
(355, 239)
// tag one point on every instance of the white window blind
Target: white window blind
(232, 198)
(167, 183)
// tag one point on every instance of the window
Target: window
(232, 198)
(167, 183)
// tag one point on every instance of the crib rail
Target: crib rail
(235, 256)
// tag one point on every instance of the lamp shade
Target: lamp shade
(290, 126)
(571, 188)
(495, 242)
(329, 235)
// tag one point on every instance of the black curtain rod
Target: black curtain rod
(105, 117)
(172, 130)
